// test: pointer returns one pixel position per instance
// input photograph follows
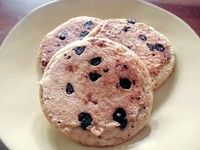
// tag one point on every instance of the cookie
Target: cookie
(96, 92)
(151, 46)
(74, 29)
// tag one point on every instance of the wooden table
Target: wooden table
(11, 11)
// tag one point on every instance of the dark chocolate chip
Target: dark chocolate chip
(159, 47)
(88, 24)
(126, 29)
(95, 61)
(94, 76)
(44, 63)
(150, 46)
(62, 35)
(125, 83)
(79, 50)
(131, 21)
(123, 123)
(69, 88)
(142, 37)
(85, 120)
(83, 34)
(120, 116)
(105, 70)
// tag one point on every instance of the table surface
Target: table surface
(11, 11)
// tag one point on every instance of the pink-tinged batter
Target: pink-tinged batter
(137, 37)
(99, 98)
(72, 30)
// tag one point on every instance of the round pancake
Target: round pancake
(72, 30)
(151, 46)
(97, 92)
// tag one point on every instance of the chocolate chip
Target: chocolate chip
(83, 34)
(85, 120)
(95, 61)
(142, 37)
(105, 70)
(126, 29)
(123, 123)
(150, 46)
(158, 47)
(125, 83)
(88, 24)
(62, 36)
(79, 50)
(69, 88)
(94, 76)
(120, 116)
(44, 63)
(131, 21)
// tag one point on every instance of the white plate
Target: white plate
(176, 114)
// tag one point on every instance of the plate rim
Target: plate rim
(4, 42)
(57, 1)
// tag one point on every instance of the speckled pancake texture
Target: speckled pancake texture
(97, 92)
(72, 30)
(153, 48)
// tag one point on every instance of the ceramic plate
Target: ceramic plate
(176, 113)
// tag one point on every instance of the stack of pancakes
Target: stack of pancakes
(99, 77)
